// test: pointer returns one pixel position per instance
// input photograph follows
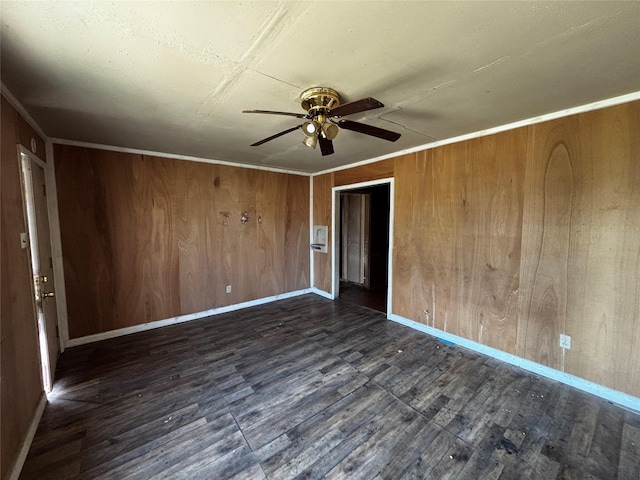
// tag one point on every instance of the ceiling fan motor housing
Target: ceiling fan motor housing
(318, 101)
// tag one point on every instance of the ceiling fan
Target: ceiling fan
(323, 117)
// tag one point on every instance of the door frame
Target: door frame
(365, 234)
(44, 359)
(335, 238)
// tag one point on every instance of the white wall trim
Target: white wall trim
(392, 209)
(322, 293)
(312, 260)
(609, 102)
(13, 101)
(26, 444)
(56, 248)
(74, 342)
(135, 151)
(335, 242)
(615, 396)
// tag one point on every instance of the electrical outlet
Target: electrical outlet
(565, 341)
(228, 288)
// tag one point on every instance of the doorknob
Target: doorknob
(48, 294)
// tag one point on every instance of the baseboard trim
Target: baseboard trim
(26, 444)
(74, 342)
(623, 399)
(322, 293)
(615, 396)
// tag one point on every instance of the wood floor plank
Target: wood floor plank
(312, 388)
(415, 440)
(629, 466)
(317, 436)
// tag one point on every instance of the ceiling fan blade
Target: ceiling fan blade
(275, 136)
(361, 105)
(326, 145)
(289, 114)
(369, 130)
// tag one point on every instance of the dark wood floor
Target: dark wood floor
(374, 298)
(309, 388)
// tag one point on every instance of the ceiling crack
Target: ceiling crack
(404, 126)
(274, 78)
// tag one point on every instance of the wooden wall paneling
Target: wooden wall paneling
(271, 208)
(618, 145)
(413, 279)
(364, 173)
(86, 246)
(115, 209)
(297, 251)
(243, 246)
(143, 215)
(607, 245)
(612, 293)
(443, 237)
(283, 233)
(458, 228)
(322, 185)
(166, 238)
(502, 160)
(20, 362)
(596, 247)
(198, 226)
(228, 219)
(550, 190)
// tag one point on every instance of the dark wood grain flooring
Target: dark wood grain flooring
(374, 298)
(307, 388)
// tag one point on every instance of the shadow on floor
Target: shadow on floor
(374, 298)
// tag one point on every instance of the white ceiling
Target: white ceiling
(173, 77)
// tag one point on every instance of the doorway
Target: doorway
(37, 218)
(363, 244)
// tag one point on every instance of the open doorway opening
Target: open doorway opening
(37, 219)
(364, 232)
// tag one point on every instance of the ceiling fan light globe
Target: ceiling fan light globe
(311, 141)
(329, 130)
(311, 128)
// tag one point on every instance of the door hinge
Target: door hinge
(44, 189)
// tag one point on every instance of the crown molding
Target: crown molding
(135, 151)
(15, 103)
(609, 102)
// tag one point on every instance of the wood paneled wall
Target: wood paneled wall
(581, 246)
(364, 173)
(147, 238)
(322, 186)
(458, 234)
(511, 239)
(21, 387)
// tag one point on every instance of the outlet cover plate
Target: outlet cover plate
(565, 341)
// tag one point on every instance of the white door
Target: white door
(35, 201)
(355, 237)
